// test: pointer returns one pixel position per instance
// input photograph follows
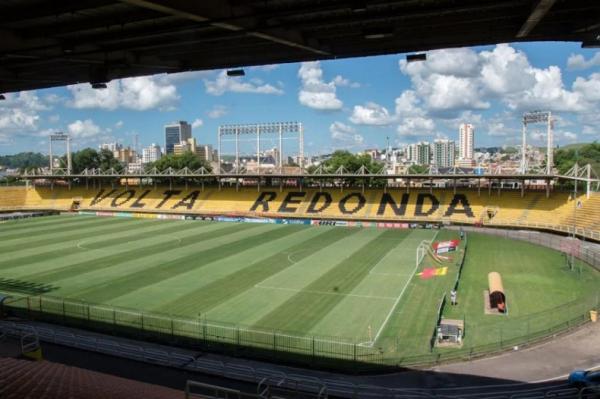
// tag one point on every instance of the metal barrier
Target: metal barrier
(307, 386)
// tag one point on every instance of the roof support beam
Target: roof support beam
(538, 13)
(183, 10)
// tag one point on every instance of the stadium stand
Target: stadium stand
(43, 379)
(505, 208)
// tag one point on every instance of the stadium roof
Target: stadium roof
(49, 43)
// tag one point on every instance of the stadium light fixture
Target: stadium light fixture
(98, 85)
(379, 33)
(236, 72)
(591, 43)
(358, 6)
(416, 57)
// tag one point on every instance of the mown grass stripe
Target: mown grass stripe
(25, 223)
(157, 246)
(62, 248)
(36, 242)
(305, 309)
(155, 295)
(46, 219)
(152, 275)
(208, 296)
(33, 232)
(45, 222)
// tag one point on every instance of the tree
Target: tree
(417, 169)
(351, 163)
(187, 159)
(107, 160)
(24, 161)
(85, 159)
(565, 158)
(88, 158)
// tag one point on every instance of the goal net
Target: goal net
(422, 251)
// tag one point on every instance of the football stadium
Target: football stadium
(306, 276)
(267, 267)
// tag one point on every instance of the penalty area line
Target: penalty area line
(397, 301)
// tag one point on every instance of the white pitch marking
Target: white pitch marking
(398, 299)
(323, 292)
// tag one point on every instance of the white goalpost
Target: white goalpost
(421, 251)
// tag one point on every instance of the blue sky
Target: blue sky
(350, 103)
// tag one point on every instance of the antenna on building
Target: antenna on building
(136, 143)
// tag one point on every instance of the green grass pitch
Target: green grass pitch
(356, 283)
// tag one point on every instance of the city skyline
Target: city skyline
(341, 106)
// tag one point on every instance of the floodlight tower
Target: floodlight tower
(291, 131)
(60, 136)
(538, 117)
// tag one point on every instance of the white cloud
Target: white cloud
(265, 68)
(589, 88)
(570, 136)
(371, 114)
(499, 129)
(119, 124)
(20, 113)
(217, 111)
(416, 126)
(171, 78)
(340, 81)
(345, 135)
(83, 129)
(447, 80)
(548, 92)
(452, 81)
(54, 118)
(578, 61)
(505, 70)
(224, 83)
(140, 94)
(408, 104)
(314, 91)
(197, 123)
(590, 131)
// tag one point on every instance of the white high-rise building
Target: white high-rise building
(443, 153)
(419, 153)
(151, 153)
(112, 147)
(466, 132)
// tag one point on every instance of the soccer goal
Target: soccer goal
(422, 250)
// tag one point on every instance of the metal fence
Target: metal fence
(522, 332)
(327, 352)
(197, 333)
(331, 352)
